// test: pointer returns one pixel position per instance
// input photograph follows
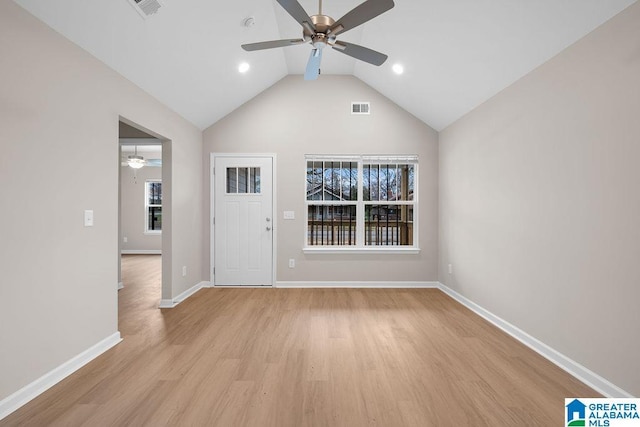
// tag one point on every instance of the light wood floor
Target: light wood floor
(292, 357)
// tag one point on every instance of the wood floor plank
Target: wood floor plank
(303, 357)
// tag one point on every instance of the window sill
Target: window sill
(153, 233)
(376, 250)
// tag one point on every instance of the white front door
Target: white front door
(242, 221)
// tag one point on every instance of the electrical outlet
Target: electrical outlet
(292, 263)
(450, 268)
(125, 239)
(184, 270)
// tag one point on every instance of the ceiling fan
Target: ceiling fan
(321, 31)
(136, 162)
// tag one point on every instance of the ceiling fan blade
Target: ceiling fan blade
(298, 13)
(271, 44)
(361, 14)
(360, 52)
(156, 163)
(313, 66)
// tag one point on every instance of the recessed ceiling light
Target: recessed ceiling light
(244, 67)
(398, 69)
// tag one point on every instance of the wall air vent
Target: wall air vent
(146, 8)
(360, 108)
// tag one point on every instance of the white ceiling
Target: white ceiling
(456, 53)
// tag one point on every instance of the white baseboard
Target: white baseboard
(170, 303)
(51, 378)
(167, 303)
(141, 252)
(354, 284)
(242, 286)
(583, 374)
(186, 294)
(120, 285)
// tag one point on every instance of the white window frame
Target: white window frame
(147, 206)
(359, 247)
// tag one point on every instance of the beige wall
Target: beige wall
(132, 220)
(59, 279)
(296, 117)
(539, 202)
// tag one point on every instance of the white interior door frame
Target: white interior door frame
(212, 206)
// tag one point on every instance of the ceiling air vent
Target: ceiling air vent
(360, 108)
(146, 8)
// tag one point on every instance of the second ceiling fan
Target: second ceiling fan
(321, 31)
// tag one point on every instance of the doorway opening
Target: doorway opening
(144, 209)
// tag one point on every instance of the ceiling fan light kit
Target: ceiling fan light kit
(135, 162)
(321, 31)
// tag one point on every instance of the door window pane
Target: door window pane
(232, 180)
(254, 181)
(243, 180)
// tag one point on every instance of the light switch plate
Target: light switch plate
(88, 218)
(289, 215)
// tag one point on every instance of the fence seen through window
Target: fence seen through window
(361, 201)
(153, 206)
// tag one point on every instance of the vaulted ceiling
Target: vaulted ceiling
(456, 53)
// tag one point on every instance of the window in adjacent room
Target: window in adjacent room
(153, 206)
(365, 202)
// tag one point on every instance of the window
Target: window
(243, 180)
(332, 194)
(365, 202)
(153, 206)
